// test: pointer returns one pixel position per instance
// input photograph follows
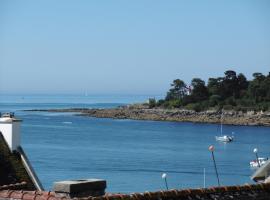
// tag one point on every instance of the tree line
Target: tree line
(231, 92)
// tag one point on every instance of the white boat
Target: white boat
(224, 138)
(254, 163)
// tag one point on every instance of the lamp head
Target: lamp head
(255, 150)
(211, 148)
(164, 175)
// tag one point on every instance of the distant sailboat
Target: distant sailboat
(224, 138)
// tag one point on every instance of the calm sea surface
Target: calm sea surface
(131, 155)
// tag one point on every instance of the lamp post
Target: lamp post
(211, 149)
(255, 150)
(164, 176)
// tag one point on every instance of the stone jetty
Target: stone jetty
(142, 112)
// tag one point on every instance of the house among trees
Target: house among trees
(231, 92)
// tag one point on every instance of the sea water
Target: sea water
(130, 155)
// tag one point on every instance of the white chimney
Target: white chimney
(10, 129)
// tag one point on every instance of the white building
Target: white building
(10, 129)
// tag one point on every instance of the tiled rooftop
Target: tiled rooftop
(244, 192)
(28, 195)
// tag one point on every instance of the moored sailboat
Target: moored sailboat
(224, 138)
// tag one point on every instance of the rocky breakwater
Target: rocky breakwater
(181, 115)
(141, 112)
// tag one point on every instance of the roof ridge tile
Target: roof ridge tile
(169, 194)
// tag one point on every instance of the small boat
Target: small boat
(254, 163)
(224, 138)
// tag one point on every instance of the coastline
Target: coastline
(141, 112)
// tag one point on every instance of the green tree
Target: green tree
(214, 86)
(242, 85)
(199, 91)
(256, 89)
(230, 85)
(178, 90)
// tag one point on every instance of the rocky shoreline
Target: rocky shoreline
(140, 112)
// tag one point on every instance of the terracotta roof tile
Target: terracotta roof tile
(15, 186)
(29, 195)
(204, 193)
(4, 193)
(17, 195)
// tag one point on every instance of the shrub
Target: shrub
(152, 103)
(160, 102)
(214, 100)
(195, 106)
(230, 101)
(228, 107)
(175, 103)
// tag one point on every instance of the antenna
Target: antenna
(203, 177)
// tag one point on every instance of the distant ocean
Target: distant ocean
(131, 155)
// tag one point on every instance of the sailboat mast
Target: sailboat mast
(221, 125)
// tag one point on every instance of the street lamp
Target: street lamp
(255, 150)
(211, 149)
(164, 176)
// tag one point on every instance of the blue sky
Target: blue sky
(128, 47)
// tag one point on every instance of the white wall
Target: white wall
(11, 133)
